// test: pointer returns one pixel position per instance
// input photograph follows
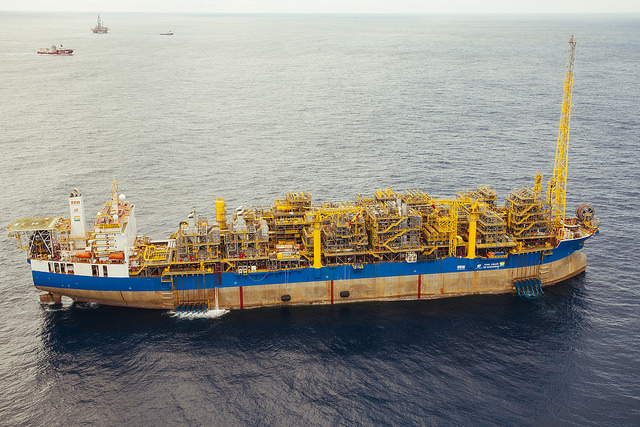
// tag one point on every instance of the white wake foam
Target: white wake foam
(209, 314)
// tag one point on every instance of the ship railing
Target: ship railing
(393, 237)
(395, 250)
(23, 241)
(430, 249)
(135, 271)
(491, 221)
(519, 249)
(530, 217)
(531, 227)
(167, 273)
(490, 245)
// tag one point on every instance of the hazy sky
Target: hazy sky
(328, 6)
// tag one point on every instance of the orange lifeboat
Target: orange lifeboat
(85, 255)
(116, 255)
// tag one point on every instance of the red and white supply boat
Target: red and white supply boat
(53, 50)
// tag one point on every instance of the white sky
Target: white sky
(327, 6)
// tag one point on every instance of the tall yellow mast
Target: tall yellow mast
(558, 183)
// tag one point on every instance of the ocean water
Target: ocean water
(249, 107)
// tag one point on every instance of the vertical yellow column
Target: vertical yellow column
(317, 263)
(473, 221)
(471, 252)
(220, 213)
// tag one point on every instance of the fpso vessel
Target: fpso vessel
(391, 246)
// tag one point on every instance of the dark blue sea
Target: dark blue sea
(249, 107)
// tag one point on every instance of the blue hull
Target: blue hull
(90, 288)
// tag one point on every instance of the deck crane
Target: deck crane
(557, 192)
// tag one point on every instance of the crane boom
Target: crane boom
(558, 183)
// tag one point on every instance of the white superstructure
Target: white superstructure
(78, 227)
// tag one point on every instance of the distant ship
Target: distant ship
(53, 50)
(168, 33)
(100, 29)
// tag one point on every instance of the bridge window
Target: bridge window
(62, 268)
(69, 268)
(104, 271)
(94, 270)
(57, 266)
(50, 267)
